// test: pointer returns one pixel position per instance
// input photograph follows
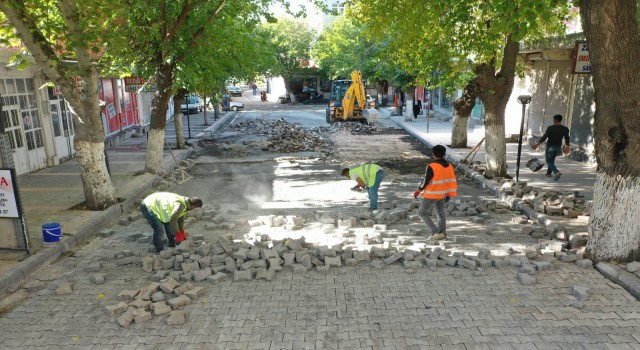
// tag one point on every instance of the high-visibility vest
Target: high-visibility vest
(442, 184)
(366, 172)
(165, 204)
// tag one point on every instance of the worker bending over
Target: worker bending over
(368, 176)
(166, 211)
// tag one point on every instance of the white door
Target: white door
(62, 129)
(13, 124)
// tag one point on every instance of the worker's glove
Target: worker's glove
(416, 194)
(355, 188)
(447, 199)
(181, 236)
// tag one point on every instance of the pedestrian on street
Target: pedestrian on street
(368, 176)
(254, 87)
(417, 106)
(554, 133)
(438, 186)
(166, 211)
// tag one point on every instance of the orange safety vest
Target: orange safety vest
(442, 184)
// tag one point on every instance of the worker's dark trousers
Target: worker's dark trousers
(423, 213)
(159, 228)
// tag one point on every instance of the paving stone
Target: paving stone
(333, 261)
(581, 293)
(436, 252)
(169, 285)
(183, 288)
(141, 316)
(239, 275)
(542, 265)
(160, 308)
(201, 275)
(169, 263)
(500, 263)
(96, 267)
(584, 263)
(467, 263)
(127, 261)
(64, 288)
(127, 317)
(117, 309)
(323, 269)
(179, 302)
(218, 277)
(361, 255)
(140, 304)
(106, 233)
(98, 278)
(298, 268)
(412, 264)
(265, 274)
(157, 296)
(393, 258)
(633, 266)
(529, 269)
(376, 264)
(449, 260)
(34, 286)
(194, 293)
(526, 279)
(177, 317)
(128, 294)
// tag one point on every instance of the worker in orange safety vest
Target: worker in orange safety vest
(438, 185)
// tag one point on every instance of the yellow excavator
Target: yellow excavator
(348, 100)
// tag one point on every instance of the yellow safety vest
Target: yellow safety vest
(366, 172)
(165, 204)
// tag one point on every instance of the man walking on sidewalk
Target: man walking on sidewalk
(438, 185)
(368, 176)
(166, 211)
(555, 133)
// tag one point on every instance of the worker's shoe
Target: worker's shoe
(557, 176)
(438, 236)
(548, 174)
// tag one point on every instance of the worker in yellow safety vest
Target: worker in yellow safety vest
(368, 176)
(166, 211)
(437, 186)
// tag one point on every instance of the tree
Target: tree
(163, 37)
(292, 40)
(486, 33)
(611, 29)
(64, 43)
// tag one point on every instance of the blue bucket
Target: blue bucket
(51, 232)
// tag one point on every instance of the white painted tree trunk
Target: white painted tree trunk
(155, 153)
(496, 150)
(408, 111)
(614, 226)
(177, 120)
(459, 131)
(97, 185)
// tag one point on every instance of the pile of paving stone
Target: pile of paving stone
(356, 128)
(568, 203)
(283, 136)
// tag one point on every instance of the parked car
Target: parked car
(234, 90)
(229, 105)
(194, 104)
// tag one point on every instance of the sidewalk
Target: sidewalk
(52, 193)
(576, 176)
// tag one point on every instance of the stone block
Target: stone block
(289, 259)
(141, 315)
(167, 264)
(141, 304)
(361, 255)
(467, 263)
(98, 278)
(323, 269)
(179, 302)
(413, 264)
(194, 293)
(584, 263)
(568, 258)
(529, 269)
(169, 285)
(242, 275)
(581, 293)
(218, 277)
(436, 252)
(160, 308)
(333, 261)
(500, 263)
(633, 266)
(117, 309)
(393, 258)
(183, 288)
(127, 295)
(526, 279)
(157, 296)
(298, 268)
(95, 267)
(106, 233)
(64, 288)
(449, 260)
(542, 265)
(127, 317)
(177, 318)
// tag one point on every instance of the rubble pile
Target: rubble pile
(568, 203)
(356, 128)
(283, 136)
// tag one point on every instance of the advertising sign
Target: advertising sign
(581, 61)
(135, 84)
(9, 201)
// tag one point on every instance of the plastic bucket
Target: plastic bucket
(535, 164)
(51, 232)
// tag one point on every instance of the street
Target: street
(302, 264)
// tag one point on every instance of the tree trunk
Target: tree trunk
(159, 107)
(177, 119)
(408, 111)
(494, 89)
(99, 191)
(462, 108)
(614, 45)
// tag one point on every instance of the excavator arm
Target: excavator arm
(353, 94)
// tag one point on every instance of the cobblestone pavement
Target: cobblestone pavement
(367, 306)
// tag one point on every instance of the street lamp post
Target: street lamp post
(524, 100)
(186, 97)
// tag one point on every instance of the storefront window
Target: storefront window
(20, 86)
(11, 87)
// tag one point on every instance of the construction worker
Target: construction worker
(168, 210)
(438, 185)
(368, 176)
(554, 133)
